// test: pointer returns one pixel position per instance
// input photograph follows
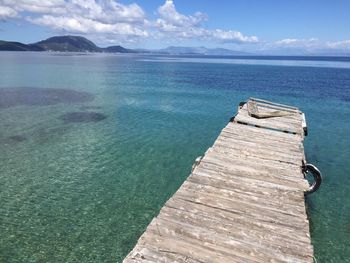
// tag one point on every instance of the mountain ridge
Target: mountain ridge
(70, 43)
(18, 46)
(67, 43)
(178, 50)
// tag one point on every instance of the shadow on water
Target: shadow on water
(17, 138)
(76, 117)
(11, 97)
(90, 107)
(347, 227)
(13, 140)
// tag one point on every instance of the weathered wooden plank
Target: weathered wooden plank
(249, 210)
(247, 136)
(249, 184)
(266, 133)
(264, 123)
(266, 102)
(289, 117)
(187, 248)
(207, 185)
(259, 152)
(246, 190)
(146, 253)
(276, 107)
(224, 173)
(274, 133)
(294, 234)
(271, 161)
(286, 118)
(289, 114)
(269, 166)
(243, 248)
(260, 143)
(244, 202)
(278, 123)
(239, 233)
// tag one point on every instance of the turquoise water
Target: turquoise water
(84, 191)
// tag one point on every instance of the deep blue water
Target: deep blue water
(102, 141)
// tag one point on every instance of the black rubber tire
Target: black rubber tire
(316, 175)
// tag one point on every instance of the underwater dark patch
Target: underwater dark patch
(347, 228)
(17, 138)
(90, 107)
(10, 97)
(76, 117)
(346, 98)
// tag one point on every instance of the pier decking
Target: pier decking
(244, 201)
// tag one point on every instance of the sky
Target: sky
(279, 26)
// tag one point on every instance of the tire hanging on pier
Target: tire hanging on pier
(316, 175)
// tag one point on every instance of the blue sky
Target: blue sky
(279, 26)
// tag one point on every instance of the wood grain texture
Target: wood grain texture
(244, 202)
(291, 123)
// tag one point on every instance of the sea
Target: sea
(92, 145)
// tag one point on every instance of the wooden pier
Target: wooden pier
(243, 201)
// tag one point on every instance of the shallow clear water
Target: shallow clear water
(84, 191)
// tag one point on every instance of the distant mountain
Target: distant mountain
(17, 46)
(118, 49)
(62, 44)
(68, 44)
(226, 52)
(82, 44)
(172, 50)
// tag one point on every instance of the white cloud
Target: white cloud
(233, 36)
(311, 43)
(293, 42)
(287, 41)
(296, 46)
(81, 16)
(115, 20)
(86, 25)
(344, 44)
(102, 10)
(107, 11)
(174, 24)
(7, 12)
(169, 15)
(36, 6)
(109, 21)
